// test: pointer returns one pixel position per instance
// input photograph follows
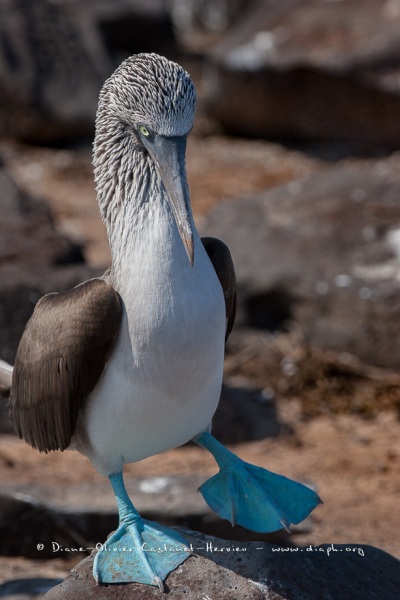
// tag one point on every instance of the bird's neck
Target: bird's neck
(123, 175)
(135, 208)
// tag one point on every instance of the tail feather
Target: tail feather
(5, 378)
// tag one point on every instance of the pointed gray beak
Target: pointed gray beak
(169, 155)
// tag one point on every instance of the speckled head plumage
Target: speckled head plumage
(146, 109)
(150, 89)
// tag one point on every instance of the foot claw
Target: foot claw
(285, 525)
(159, 582)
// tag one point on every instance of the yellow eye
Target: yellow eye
(144, 131)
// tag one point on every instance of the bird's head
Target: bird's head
(146, 109)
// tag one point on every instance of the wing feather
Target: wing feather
(61, 356)
(221, 258)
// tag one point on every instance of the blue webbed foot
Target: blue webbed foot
(138, 551)
(145, 552)
(252, 496)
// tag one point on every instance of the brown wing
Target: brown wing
(221, 258)
(63, 351)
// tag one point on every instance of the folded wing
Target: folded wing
(221, 258)
(61, 357)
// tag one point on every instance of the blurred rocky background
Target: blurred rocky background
(294, 161)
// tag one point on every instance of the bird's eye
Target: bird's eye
(144, 131)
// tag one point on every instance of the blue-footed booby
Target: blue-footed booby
(129, 365)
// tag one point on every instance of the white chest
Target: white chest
(162, 383)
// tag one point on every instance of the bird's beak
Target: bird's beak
(169, 155)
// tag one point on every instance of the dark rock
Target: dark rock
(199, 23)
(128, 27)
(55, 57)
(27, 232)
(245, 414)
(24, 524)
(28, 588)
(300, 69)
(256, 571)
(51, 73)
(324, 253)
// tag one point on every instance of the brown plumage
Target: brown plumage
(62, 354)
(221, 258)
